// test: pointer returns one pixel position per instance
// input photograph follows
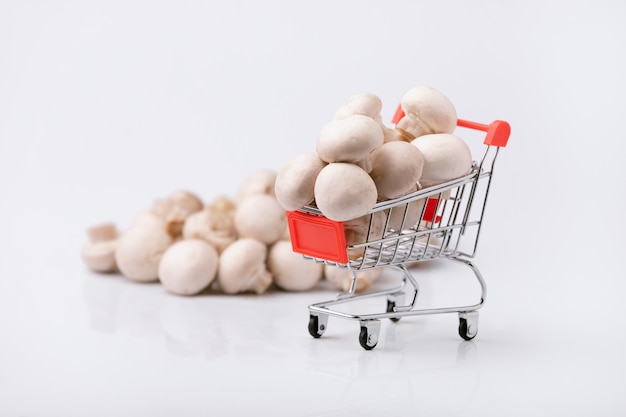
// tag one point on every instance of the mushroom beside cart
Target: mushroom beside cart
(451, 218)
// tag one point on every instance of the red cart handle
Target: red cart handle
(498, 131)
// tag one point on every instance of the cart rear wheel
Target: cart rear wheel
(315, 329)
(391, 305)
(467, 330)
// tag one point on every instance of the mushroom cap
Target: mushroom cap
(186, 201)
(99, 256)
(446, 157)
(295, 182)
(102, 232)
(222, 204)
(427, 111)
(367, 104)
(139, 250)
(188, 267)
(259, 182)
(290, 270)
(344, 191)
(396, 168)
(242, 267)
(350, 139)
(341, 278)
(213, 226)
(261, 217)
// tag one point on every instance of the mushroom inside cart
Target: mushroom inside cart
(446, 157)
(344, 191)
(427, 111)
(351, 139)
(396, 169)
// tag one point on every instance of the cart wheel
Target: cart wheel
(467, 330)
(390, 309)
(365, 339)
(317, 326)
(368, 338)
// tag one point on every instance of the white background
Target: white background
(107, 105)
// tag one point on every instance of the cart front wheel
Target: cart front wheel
(368, 338)
(317, 326)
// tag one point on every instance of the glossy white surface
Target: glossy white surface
(105, 106)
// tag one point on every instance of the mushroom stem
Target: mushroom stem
(99, 253)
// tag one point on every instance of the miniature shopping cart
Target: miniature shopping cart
(449, 222)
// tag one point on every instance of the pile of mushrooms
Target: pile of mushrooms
(190, 247)
(358, 162)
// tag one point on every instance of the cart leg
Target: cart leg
(317, 324)
(468, 324)
(368, 338)
(408, 277)
(479, 277)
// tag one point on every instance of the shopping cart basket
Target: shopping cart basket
(450, 216)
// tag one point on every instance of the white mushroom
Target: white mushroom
(367, 104)
(341, 278)
(396, 169)
(259, 216)
(295, 182)
(222, 204)
(214, 224)
(176, 208)
(350, 139)
(427, 110)
(139, 249)
(370, 105)
(363, 229)
(242, 267)
(290, 270)
(259, 182)
(188, 267)
(102, 232)
(344, 191)
(446, 157)
(99, 253)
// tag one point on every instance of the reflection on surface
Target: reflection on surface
(208, 325)
(144, 311)
(412, 361)
(264, 340)
(421, 358)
